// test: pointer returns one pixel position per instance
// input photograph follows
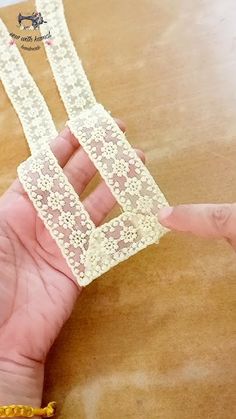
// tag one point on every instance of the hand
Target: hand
(204, 220)
(37, 287)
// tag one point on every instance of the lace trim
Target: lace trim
(66, 66)
(24, 94)
(59, 208)
(127, 177)
(89, 251)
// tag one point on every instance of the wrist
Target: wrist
(21, 383)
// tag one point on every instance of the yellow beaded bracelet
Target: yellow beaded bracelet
(18, 410)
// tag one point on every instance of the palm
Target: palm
(38, 292)
(37, 287)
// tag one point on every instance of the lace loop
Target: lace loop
(88, 250)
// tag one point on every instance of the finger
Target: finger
(101, 201)
(65, 144)
(63, 147)
(204, 220)
(120, 124)
(79, 170)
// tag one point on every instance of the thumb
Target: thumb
(204, 220)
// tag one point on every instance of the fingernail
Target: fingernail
(164, 213)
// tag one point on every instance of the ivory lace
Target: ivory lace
(88, 250)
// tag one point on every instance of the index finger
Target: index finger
(204, 220)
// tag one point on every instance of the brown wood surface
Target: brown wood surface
(156, 336)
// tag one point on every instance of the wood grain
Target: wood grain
(156, 336)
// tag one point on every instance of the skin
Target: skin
(216, 221)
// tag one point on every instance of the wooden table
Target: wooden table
(156, 336)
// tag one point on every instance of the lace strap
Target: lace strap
(96, 131)
(58, 206)
(24, 94)
(66, 66)
(127, 177)
(89, 251)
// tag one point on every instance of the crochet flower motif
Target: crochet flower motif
(97, 134)
(90, 122)
(36, 165)
(67, 220)
(28, 104)
(109, 150)
(56, 201)
(110, 245)
(145, 204)
(71, 79)
(5, 56)
(45, 183)
(129, 234)
(33, 112)
(81, 101)
(120, 167)
(77, 239)
(22, 92)
(17, 82)
(133, 185)
(61, 52)
(65, 62)
(147, 225)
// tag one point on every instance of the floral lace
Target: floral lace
(88, 250)
(66, 66)
(24, 94)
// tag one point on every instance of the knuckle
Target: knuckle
(82, 177)
(141, 155)
(100, 208)
(221, 215)
(78, 177)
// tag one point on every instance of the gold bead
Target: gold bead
(8, 411)
(27, 410)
